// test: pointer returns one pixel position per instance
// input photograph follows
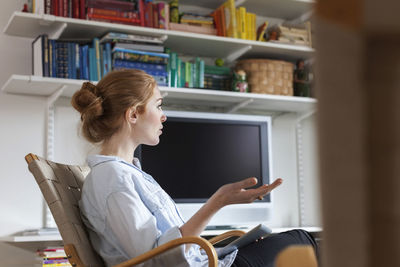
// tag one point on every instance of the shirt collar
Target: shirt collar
(94, 160)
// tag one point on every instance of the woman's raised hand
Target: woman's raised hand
(237, 193)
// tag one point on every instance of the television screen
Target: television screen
(198, 154)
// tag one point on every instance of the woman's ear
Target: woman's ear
(131, 115)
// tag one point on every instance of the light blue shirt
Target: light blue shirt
(128, 213)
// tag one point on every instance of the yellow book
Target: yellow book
(254, 27)
(242, 22)
(249, 26)
(239, 34)
(230, 18)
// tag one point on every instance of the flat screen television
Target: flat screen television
(199, 152)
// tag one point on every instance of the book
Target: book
(116, 36)
(140, 56)
(260, 231)
(142, 47)
(242, 23)
(41, 231)
(40, 56)
(112, 5)
(230, 18)
(96, 46)
(163, 15)
(39, 7)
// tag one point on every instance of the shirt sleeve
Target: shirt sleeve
(135, 229)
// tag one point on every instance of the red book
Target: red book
(155, 16)
(149, 15)
(141, 13)
(54, 7)
(75, 9)
(65, 8)
(60, 8)
(82, 8)
(114, 13)
(113, 19)
(112, 4)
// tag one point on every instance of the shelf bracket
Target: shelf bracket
(54, 28)
(300, 165)
(50, 114)
(237, 54)
(240, 105)
(50, 121)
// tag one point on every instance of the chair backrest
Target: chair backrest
(61, 186)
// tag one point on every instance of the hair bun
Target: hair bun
(87, 102)
(90, 87)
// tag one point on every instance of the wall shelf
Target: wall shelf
(44, 86)
(30, 25)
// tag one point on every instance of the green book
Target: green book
(179, 72)
(201, 73)
(174, 75)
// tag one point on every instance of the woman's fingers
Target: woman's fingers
(246, 183)
(266, 189)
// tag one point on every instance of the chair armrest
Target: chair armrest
(225, 235)
(203, 243)
(296, 255)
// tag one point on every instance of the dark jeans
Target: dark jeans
(263, 252)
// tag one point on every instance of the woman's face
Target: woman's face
(149, 124)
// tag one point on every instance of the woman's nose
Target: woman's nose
(163, 118)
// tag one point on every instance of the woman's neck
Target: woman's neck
(119, 145)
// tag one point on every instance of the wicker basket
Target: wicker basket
(266, 76)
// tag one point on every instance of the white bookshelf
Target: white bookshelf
(31, 25)
(44, 86)
(30, 238)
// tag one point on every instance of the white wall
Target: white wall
(22, 124)
(22, 131)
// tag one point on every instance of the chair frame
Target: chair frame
(207, 246)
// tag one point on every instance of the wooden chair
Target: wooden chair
(61, 187)
(296, 256)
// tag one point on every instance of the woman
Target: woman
(125, 209)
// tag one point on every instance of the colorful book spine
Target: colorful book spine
(53, 58)
(45, 54)
(179, 72)
(85, 62)
(230, 18)
(173, 69)
(200, 70)
(162, 21)
(92, 65)
(96, 46)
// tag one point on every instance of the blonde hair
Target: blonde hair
(102, 106)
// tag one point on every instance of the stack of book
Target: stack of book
(234, 22)
(70, 60)
(93, 60)
(131, 12)
(195, 23)
(217, 78)
(124, 12)
(156, 15)
(139, 52)
(41, 231)
(53, 256)
(188, 73)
